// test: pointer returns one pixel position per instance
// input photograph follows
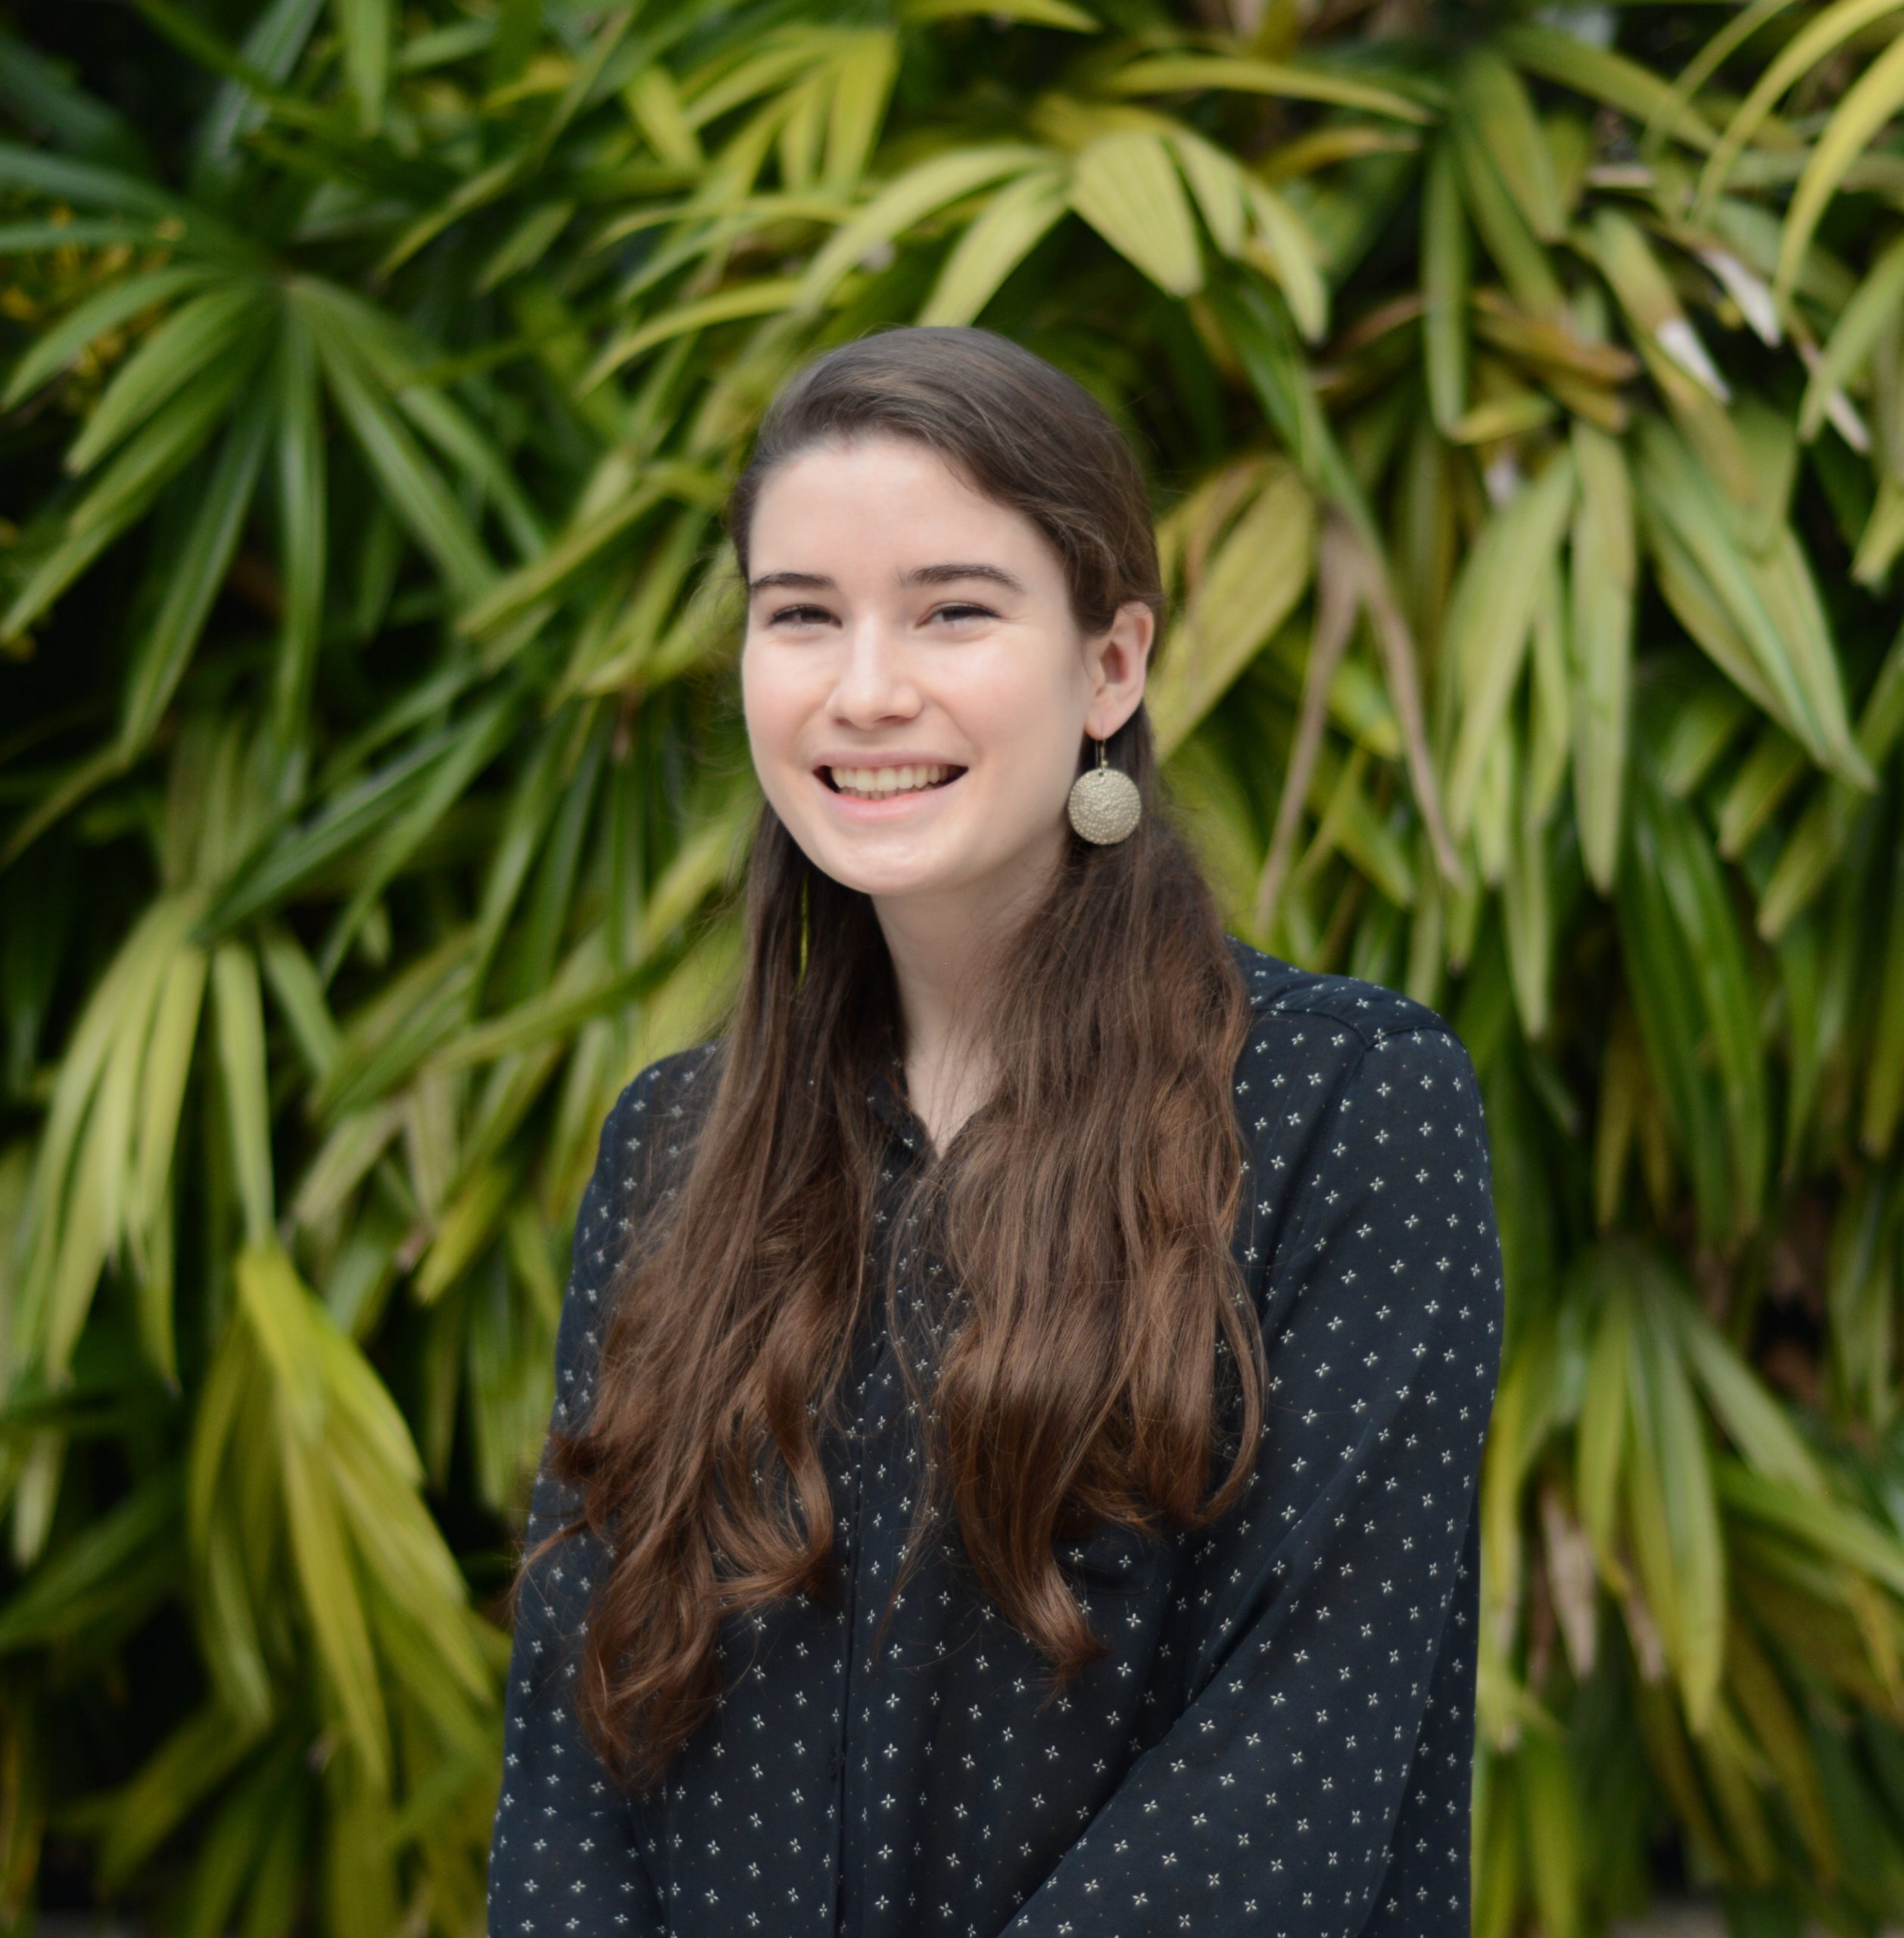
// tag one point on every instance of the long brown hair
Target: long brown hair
(1098, 1357)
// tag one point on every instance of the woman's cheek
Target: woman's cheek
(771, 710)
(1035, 725)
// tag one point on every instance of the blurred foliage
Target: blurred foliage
(1525, 392)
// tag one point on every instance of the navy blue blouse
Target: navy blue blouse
(1278, 1742)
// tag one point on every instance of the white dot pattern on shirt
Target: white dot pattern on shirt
(1278, 1741)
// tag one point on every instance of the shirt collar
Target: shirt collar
(887, 1094)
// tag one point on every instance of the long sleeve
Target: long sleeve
(564, 1857)
(1315, 1783)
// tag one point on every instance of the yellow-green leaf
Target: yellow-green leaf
(1873, 99)
(1292, 256)
(1859, 325)
(1250, 585)
(915, 194)
(1819, 38)
(1126, 186)
(1034, 13)
(1601, 583)
(998, 239)
(1498, 112)
(1445, 288)
(1186, 73)
(1489, 615)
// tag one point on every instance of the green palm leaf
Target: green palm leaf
(1520, 410)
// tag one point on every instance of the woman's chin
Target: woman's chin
(888, 881)
(979, 881)
(888, 864)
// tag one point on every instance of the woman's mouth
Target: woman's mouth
(880, 783)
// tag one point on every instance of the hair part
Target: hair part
(1093, 1356)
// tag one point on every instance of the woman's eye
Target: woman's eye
(801, 615)
(962, 610)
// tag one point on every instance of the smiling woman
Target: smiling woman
(917, 687)
(926, 1543)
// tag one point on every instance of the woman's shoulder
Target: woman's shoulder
(670, 1091)
(1356, 1015)
(652, 1121)
(1365, 1127)
(1337, 1053)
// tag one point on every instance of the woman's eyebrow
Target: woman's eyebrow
(792, 581)
(945, 574)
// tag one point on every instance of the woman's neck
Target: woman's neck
(946, 950)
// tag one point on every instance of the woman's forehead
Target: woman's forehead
(892, 507)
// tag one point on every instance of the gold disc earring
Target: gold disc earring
(1104, 806)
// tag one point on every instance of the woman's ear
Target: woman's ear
(1117, 662)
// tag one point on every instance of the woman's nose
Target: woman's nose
(875, 680)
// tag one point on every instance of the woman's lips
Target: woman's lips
(876, 784)
(886, 800)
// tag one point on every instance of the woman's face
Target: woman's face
(915, 685)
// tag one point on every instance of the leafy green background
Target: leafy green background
(1524, 393)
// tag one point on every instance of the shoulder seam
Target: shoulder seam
(1371, 1031)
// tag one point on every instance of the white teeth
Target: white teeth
(872, 782)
